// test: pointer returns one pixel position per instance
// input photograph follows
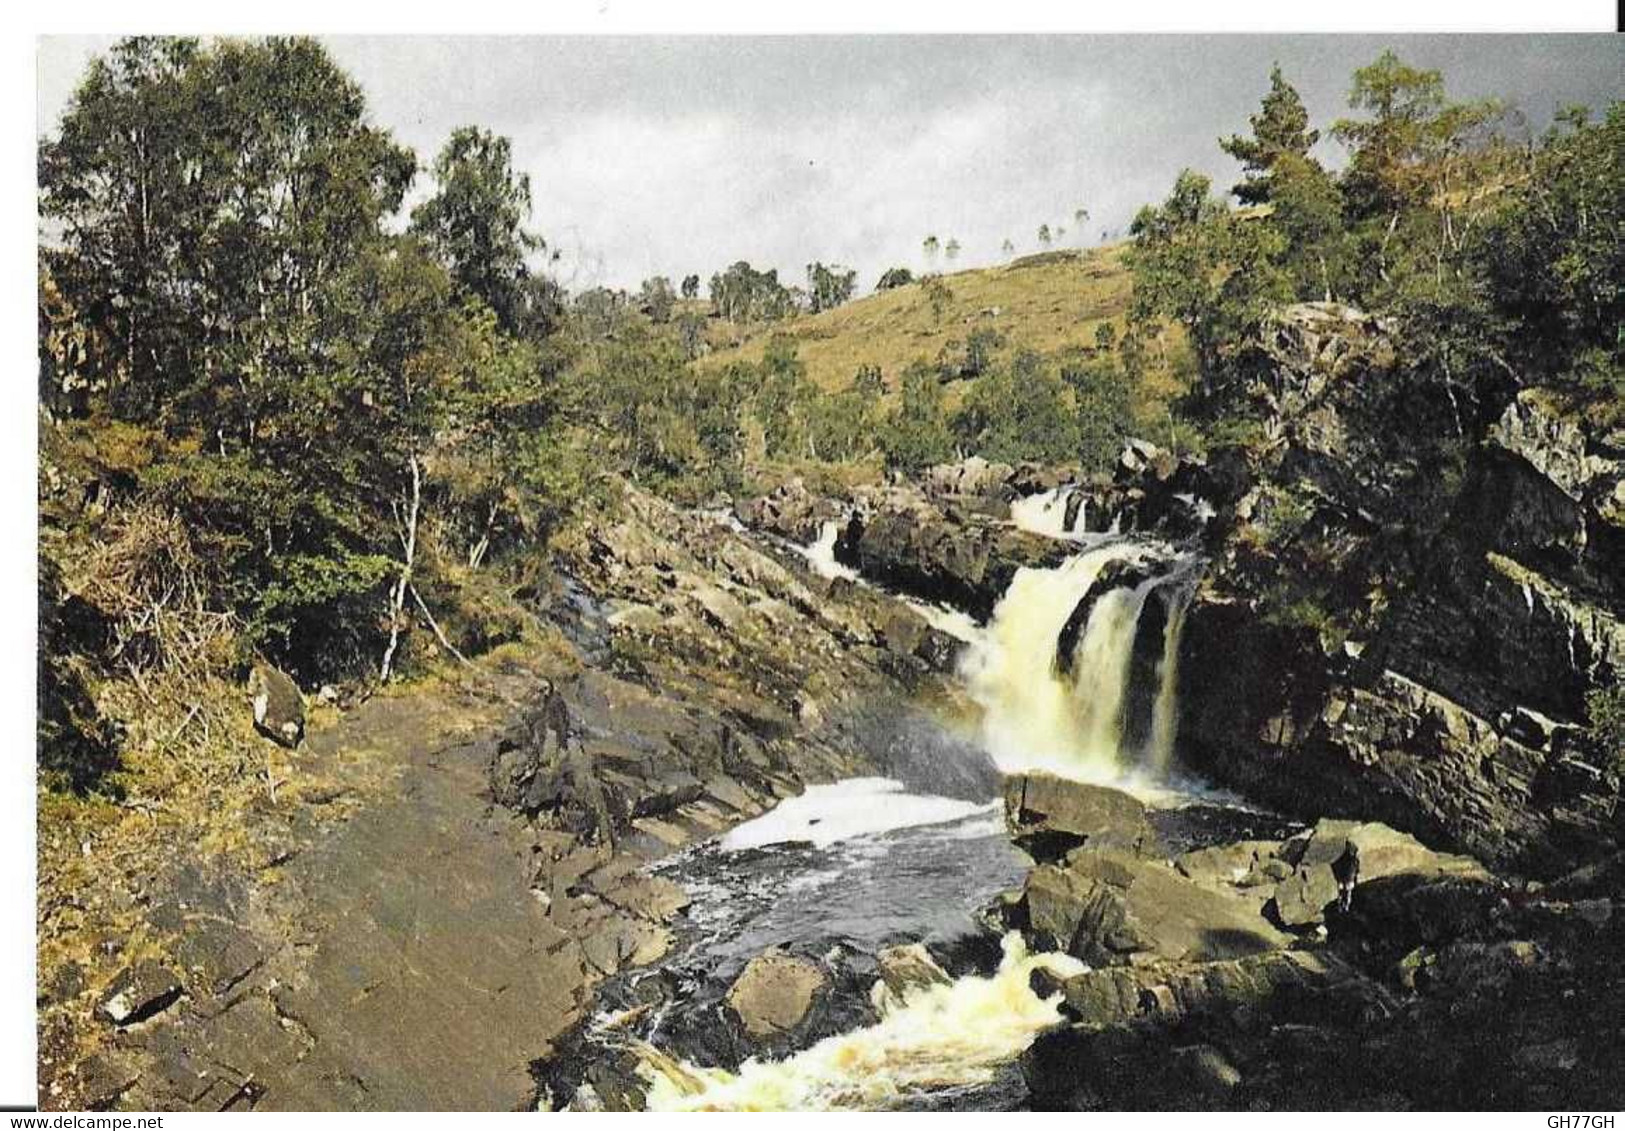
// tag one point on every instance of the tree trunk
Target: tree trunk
(409, 543)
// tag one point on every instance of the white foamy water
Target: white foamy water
(821, 554)
(853, 807)
(955, 622)
(1034, 717)
(935, 1037)
(1045, 513)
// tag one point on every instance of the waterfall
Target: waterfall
(1165, 712)
(821, 553)
(1053, 671)
(1056, 513)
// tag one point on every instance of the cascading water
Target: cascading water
(936, 1037)
(1057, 513)
(1076, 674)
(1054, 695)
(820, 554)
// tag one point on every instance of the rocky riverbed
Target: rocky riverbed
(1259, 780)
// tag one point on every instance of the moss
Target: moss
(1605, 716)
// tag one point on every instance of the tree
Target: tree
(829, 287)
(744, 294)
(970, 359)
(895, 277)
(915, 434)
(784, 397)
(691, 286)
(1410, 126)
(1044, 236)
(206, 199)
(931, 246)
(951, 250)
(1008, 247)
(475, 222)
(1018, 412)
(937, 295)
(1102, 387)
(1307, 210)
(1554, 272)
(1194, 263)
(1280, 131)
(656, 298)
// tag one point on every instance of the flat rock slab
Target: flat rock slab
(1111, 907)
(436, 976)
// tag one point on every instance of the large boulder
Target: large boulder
(791, 511)
(1048, 816)
(279, 709)
(775, 993)
(1110, 907)
(942, 554)
(904, 970)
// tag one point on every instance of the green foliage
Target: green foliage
(475, 222)
(656, 299)
(1213, 273)
(744, 294)
(1020, 412)
(970, 358)
(1554, 262)
(937, 295)
(1102, 395)
(317, 391)
(1605, 716)
(915, 435)
(1280, 133)
(1291, 607)
(784, 400)
(893, 278)
(828, 287)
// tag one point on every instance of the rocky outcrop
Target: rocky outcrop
(959, 558)
(790, 511)
(1048, 817)
(1400, 622)
(1240, 975)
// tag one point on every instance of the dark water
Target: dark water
(922, 884)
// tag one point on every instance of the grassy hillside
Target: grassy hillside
(1045, 303)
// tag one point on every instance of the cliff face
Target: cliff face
(1407, 628)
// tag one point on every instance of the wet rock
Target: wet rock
(904, 969)
(791, 511)
(279, 709)
(958, 559)
(774, 993)
(1048, 816)
(139, 992)
(1110, 907)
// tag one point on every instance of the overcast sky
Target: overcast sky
(668, 156)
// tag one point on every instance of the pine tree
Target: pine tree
(1280, 129)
